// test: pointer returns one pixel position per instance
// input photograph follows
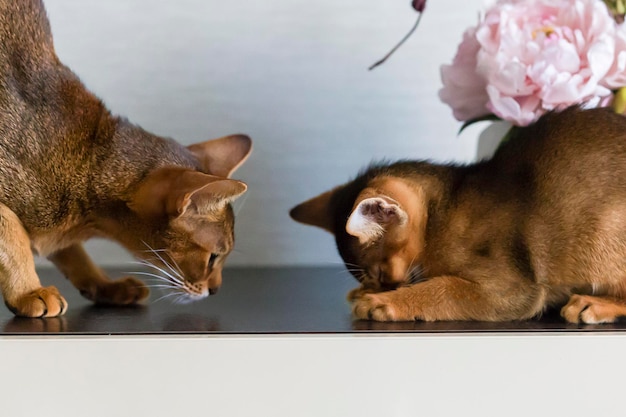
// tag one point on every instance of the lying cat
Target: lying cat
(69, 170)
(542, 224)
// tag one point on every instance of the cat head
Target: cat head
(379, 226)
(183, 218)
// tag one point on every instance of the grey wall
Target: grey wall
(290, 73)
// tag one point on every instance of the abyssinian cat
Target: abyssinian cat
(70, 170)
(540, 224)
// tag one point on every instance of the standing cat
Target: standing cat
(69, 170)
(541, 224)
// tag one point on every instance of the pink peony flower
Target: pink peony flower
(526, 57)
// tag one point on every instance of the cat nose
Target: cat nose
(214, 290)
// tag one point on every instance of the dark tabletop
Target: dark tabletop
(252, 301)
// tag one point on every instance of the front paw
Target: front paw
(377, 307)
(591, 310)
(121, 292)
(42, 302)
(359, 292)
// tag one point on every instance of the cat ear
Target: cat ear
(316, 211)
(222, 156)
(214, 195)
(176, 191)
(373, 216)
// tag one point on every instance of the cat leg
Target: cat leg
(20, 285)
(92, 282)
(592, 309)
(450, 298)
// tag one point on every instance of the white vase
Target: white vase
(489, 139)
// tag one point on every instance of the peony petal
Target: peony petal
(600, 56)
(505, 107)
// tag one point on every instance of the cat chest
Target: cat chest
(46, 242)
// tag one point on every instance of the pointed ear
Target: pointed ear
(214, 195)
(372, 217)
(173, 191)
(222, 156)
(316, 211)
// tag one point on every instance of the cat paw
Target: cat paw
(359, 292)
(591, 310)
(121, 292)
(42, 302)
(375, 307)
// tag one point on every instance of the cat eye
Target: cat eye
(212, 259)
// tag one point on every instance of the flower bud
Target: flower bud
(419, 5)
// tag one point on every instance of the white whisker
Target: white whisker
(178, 270)
(170, 294)
(169, 287)
(151, 281)
(164, 261)
(415, 274)
(172, 277)
(154, 276)
(182, 299)
(162, 282)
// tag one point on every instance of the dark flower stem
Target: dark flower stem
(417, 22)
